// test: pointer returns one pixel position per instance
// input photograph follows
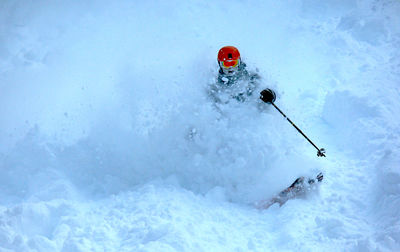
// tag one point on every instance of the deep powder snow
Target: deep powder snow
(109, 142)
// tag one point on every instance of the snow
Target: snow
(109, 142)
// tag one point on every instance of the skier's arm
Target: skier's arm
(213, 93)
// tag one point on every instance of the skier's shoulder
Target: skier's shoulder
(250, 73)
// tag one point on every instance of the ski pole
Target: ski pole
(268, 96)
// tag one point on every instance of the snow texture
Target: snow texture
(109, 141)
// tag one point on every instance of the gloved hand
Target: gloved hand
(268, 95)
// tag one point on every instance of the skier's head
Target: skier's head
(229, 59)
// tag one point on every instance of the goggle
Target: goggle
(229, 63)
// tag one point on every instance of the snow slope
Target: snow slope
(108, 141)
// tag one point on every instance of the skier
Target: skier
(234, 81)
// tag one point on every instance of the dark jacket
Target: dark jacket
(238, 86)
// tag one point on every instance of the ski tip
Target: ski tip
(320, 177)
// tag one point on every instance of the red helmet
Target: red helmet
(228, 53)
(229, 59)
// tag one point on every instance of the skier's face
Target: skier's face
(229, 67)
(229, 71)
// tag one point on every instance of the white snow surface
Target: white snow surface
(109, 142)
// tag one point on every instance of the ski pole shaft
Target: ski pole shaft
(321, 152)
